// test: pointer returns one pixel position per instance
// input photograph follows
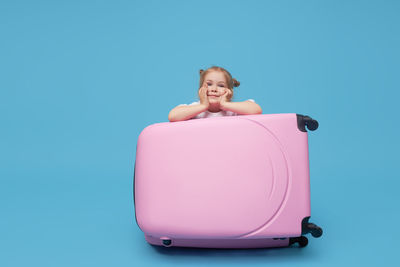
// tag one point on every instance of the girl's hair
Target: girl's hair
(231, 81)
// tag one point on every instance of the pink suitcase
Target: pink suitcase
(225, 182)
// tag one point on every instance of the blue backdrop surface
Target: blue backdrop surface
(79, 81)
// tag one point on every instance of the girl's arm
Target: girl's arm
(243, 108)
(182, 113)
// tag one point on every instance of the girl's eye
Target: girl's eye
(221, 85)
(208, 83)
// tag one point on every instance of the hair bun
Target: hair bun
(236, 83)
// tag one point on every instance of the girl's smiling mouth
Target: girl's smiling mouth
(213, 95)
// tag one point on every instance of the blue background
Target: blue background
(80, 80)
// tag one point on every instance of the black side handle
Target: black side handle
(303, 121)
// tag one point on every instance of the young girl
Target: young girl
(215, 94)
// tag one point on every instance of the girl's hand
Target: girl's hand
(203, 95)
(226, 97)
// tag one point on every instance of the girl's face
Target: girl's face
(216, 83)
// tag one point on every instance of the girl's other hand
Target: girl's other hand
(203, 95)
(226, 97)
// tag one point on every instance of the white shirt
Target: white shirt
(208, 114)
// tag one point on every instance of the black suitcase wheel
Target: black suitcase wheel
(301, 240)
(303, 121)
(312, 125)
(316, 232)
(167, 242)
(308, 227)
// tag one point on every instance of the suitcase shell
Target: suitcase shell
(223, 182)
